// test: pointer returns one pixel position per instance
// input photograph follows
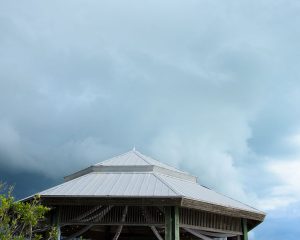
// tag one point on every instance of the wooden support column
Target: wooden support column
(245, 229)
(171, 223)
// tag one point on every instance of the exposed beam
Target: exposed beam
(87, 213)
(211, 229)
(197, 234)
(86, 228)
(215, 234)
(156, 233)
(99, 215)
(119, 230)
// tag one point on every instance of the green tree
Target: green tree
(22, 220)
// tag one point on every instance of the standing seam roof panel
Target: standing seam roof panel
(197, 192)
(112, 184)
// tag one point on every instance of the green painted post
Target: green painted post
(245, 229)
(168, 224)
(171, 223)
(175, 223)
(56, 222)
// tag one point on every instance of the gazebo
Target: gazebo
(132, 196)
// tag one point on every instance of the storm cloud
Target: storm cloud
(211, 87)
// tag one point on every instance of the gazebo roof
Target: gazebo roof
(134, 175)
(135, 158)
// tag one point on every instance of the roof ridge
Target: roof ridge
(162, 163)
(165, 183)
(142, 156)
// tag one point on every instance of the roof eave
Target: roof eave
(224, 210)
(112, 200)
(180, 201)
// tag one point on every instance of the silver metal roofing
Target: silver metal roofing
(133, 161)
(135, 158)
(135, 175)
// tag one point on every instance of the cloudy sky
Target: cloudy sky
(209, 86)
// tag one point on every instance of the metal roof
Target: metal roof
(192, 190)
(135, 158)
(114, 185)
(135, 175)
(132, 161)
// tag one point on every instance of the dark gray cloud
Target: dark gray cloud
(209, 86)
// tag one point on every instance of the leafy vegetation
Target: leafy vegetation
(23, 220)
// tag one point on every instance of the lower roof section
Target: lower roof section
(141, 185)
(145, 189)
(150, 201)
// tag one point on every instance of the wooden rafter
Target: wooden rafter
(156, 233)
(197, 234)
(119, 230)
(87, 213)
(86, 228)
(215, 234)
(99, 215)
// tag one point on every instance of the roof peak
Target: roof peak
(136, 158)
(133, 161)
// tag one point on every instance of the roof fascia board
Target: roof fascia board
(116, 201)
(109, 169)
(127, 169)
(234, 212)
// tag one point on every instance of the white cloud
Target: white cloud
(288, 190)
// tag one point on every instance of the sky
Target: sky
(209, 86)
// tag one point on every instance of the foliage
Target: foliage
(22, 220)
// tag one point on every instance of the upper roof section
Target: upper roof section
(133, 161)
(135, 158)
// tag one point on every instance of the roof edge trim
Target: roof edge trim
(236, 212)
(128, 169)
